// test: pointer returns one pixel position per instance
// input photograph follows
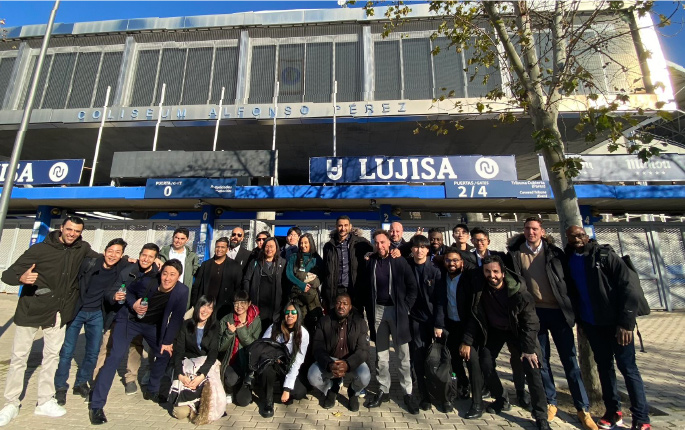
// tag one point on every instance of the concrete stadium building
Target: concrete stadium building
(217, 76)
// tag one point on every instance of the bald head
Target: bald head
(577, 238)
(396, 231)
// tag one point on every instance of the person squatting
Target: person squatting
(277, 323)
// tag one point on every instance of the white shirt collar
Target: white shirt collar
(536, 250)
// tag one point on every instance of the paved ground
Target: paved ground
(663, 369)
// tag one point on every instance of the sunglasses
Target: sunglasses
(236, 234)
(290, 312)
(260, 239)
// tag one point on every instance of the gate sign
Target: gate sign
(497, 190)
(44, 172)
(190, 188)
(626, 168)
(379, 168)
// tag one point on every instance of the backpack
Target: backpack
(642, 304)
(438, 369)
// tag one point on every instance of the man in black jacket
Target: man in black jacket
(145, 270)
(343, 257)
(481, 242)
(501, 312)
(48, 272)
(96, 278)
(422, 315)
(606, 303)
(340, 346)
(452, 311)
(218, 279)
(544, 268)
(393, 293)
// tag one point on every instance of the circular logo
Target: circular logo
(58, 171)
(487, 168)
(290, 75)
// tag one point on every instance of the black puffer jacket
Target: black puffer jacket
(614, 300)
(523, 319)
(326, 339)
(57, 266)
(557, 272)
(358, 247)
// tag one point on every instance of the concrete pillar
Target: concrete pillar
(204, 246)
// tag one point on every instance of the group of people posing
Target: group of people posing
(239, 325)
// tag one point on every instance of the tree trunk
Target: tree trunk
(588, 368)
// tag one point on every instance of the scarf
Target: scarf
(252, 313)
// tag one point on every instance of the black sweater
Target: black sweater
(185, 346)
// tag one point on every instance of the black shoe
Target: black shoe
(464, 392)
(353, 400)
(499, 405)
(130, 388)
(82, 390)
(151, 396)
(329, 400)
(447, 407)
(542, 425)
(267, 410)
(425, 404)
(61, 397)
(475, 411)
(97, 416)
(523, 399)
(377, 399)
(411, 404)
(485, 393)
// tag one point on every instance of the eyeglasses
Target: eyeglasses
(240, 303)
(452, 260)
(480, 240)
(236, 234)
(290, 312)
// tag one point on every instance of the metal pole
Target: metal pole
(97, 144)
(335, 118)
(274, 180)
(26, 117)
(159, 117)
(218, 118)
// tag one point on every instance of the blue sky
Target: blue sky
(17, 13)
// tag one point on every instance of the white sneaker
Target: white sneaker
(229, 399)
(7, 414)
(50, 409)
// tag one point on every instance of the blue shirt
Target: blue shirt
(198, 336)
(577, 266)
(452, 310)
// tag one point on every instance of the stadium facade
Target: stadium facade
(186, 86)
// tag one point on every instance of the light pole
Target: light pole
(19, 140)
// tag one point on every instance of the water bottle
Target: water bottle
(122, 289)
(143, 304)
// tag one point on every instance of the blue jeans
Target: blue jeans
(553, 321)
(605, 348)
(323, 379)
(93, 323)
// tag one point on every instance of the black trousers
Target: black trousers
(455, 336)
(267, 380)
(487, 356)
(518, 375)
(421, 339)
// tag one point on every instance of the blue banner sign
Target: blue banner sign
(190, 188)
(44, 172)
(354, 170)
(497, 190)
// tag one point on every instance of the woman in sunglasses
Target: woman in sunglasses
(263, 282)
(290, 332)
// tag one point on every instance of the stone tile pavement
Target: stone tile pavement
(663, 368)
